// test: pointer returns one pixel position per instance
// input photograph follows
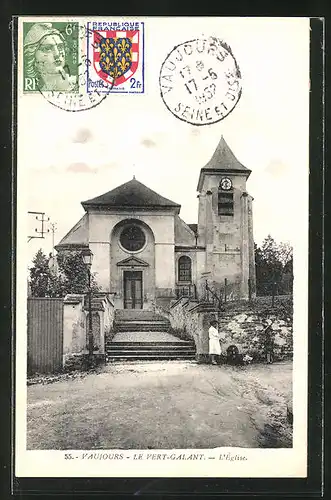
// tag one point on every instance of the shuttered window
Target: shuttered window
(225, 203)
(184, 269)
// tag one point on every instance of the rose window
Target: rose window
(132, 238)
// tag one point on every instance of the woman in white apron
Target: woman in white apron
(214, 342)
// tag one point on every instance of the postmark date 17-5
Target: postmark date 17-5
(200, 81)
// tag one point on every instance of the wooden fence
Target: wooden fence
(45, 334)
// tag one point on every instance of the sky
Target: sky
(65, 158)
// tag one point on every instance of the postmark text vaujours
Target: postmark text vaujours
(200, 81)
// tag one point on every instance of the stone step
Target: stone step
(141, 323)
(150, 352)
(175, 344)
(230, 318)
(137, 315)
(149, 357)
(142, 326)
(188, 352)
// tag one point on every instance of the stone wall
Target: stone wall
(75, 326)
(190, 319)
(109, 315)
(247, 332)
(242, 326)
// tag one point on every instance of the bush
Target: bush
(74, 363)
(81, 362)
(283, 306)
(109, 335)
(181, 334)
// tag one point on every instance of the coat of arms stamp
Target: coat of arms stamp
(117, 54)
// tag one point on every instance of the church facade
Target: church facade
(145, 254)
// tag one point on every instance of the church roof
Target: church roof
(223, 160)
(77, 236)
(184, 234)
(194, 227)
(131, 194)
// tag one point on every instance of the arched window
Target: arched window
(184, 269)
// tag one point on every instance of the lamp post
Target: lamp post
(87, 258)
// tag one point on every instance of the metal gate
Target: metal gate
(45, 334)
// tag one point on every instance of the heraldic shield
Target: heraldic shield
(116, 55)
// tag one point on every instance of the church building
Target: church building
(145, 254)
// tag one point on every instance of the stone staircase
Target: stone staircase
(139, 320)
(143, 335)
(139, 351)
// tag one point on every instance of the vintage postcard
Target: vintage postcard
(162, 247)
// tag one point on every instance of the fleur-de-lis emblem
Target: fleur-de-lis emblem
(123, 45)
(123, 64)
(115, 56)
(107, 45)
(107, 64)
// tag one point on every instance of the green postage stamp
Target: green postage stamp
(50, 56)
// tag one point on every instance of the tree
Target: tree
(74, 274)
(71, 277)
(285, 257)
(274, 265)
(43, 283)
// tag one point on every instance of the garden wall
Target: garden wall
(75, 327)
(242, 323)
(247, 332)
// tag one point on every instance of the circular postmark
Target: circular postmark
(200, 81)
(71, 91)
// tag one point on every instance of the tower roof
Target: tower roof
(131, 194)
(223, 160)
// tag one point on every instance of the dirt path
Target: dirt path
(163, 405)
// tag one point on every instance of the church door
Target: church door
(133, 290)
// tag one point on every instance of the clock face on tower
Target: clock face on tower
(226, 183)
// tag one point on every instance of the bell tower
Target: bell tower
(225, 225)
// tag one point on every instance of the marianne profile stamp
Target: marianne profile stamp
(200, 81)
(50, 56)
(55, 64)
